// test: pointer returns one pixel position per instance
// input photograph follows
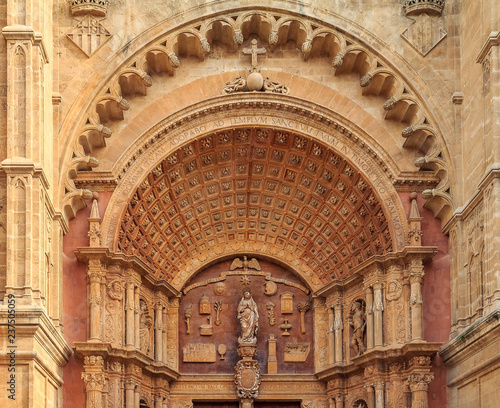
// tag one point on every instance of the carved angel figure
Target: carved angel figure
(238, 85)
(245, 264)
(145, 324)
(358, 328)
(248, 315)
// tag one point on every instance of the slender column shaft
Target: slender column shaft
(95, 299)
(369, 317)
(164, 336)
(331, 337)
(339, 326)
(137, 317)
(129, 314)
(129, 394)
(416, 278)
(371, 396)
(379, 394)
(158, 332)
(378, 308)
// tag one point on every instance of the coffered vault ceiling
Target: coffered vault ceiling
(255, 185)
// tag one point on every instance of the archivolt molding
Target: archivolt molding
(167, 151)
(346, 55)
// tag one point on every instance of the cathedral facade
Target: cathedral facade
(269, 204)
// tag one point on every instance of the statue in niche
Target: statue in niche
(248, 316)
(358, 324)
(145, 323)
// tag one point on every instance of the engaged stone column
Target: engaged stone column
(129, 394)
(164, 335)
(416, 279)
(379, 394)
(137, 396)
(158, 331)
(95, 381)
(137, 317)
(369, 317)
(158, 401)
(378, 308)
(339, 326)
(371, 396)
(129, 314)
(331, 337)
(95, 298)
(339, 401)
(419, 385)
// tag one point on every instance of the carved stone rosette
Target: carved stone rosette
(247, 378)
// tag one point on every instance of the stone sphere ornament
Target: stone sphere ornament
(255, 82)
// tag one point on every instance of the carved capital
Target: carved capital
(419, 382)
(94, 381)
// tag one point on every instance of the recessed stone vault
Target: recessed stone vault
(255, 185)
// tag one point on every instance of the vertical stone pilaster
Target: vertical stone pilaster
(164, 334)
(369, 317)
(158, 331)
(320, 333)
(331, 337)
(378, 309)
(172, 334)
(339, 329)
(137, 317)
(416, 279)
(94, 275)
(130, 314)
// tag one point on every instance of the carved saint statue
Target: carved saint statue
(358, 324)
(248, 316)
(145, 324)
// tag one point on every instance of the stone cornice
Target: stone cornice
(378, 261)
(475, 337)
(129, 261)
(35, 324)
(125, 355)
(20, 32)
(96, 181)
(381, 355)
(463, 212)
(493, 40)
(23, 166)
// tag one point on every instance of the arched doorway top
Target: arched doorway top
(302, 186)
(346, 53)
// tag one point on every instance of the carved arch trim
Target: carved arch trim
(346, 52)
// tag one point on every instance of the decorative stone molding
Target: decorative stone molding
(127, 80)
(96, 8)
(413, 7)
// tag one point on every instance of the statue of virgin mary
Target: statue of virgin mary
(248, 316)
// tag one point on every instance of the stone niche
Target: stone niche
(228, 330)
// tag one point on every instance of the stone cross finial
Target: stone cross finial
(254, 51)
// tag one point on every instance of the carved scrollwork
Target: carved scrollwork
(247, 378)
